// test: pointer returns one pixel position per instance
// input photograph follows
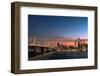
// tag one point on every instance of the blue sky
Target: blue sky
(57, 26)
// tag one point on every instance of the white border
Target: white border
(25, 64)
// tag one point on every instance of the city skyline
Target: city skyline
(57, 26)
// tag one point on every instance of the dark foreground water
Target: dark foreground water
(68, 55)
(62, 55)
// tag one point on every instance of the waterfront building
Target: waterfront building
(53, 42)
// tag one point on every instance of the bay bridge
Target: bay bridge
(38, 49)
(43, 49)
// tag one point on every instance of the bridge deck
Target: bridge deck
(44, 46)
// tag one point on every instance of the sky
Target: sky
(57, 26)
